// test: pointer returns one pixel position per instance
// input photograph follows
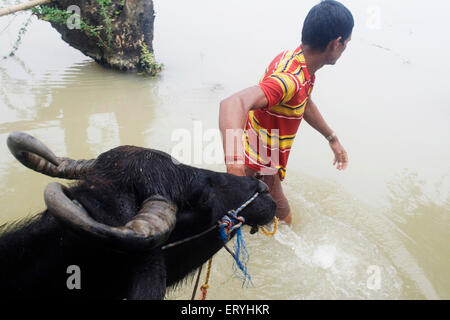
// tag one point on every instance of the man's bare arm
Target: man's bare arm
(232, 116)
(313, 117)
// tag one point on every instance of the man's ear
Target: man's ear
(333, 45)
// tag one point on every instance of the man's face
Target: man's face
(335, 49)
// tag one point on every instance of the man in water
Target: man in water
(271, 111)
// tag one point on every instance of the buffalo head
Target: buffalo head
(165, 189)
(135, 200)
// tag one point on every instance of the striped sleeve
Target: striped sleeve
(279, 87)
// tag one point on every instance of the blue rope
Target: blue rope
(241, 257)
(230, 223)
(223, 233)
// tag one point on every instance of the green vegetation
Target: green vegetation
(104, 6)
(103, 32)
(148, 62)
(59, 16)
(20, 35)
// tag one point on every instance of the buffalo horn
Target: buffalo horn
(149, 228)
(33, 154)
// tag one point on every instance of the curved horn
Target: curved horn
(33, 154)
(148, 229)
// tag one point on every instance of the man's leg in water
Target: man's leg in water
(276, 191)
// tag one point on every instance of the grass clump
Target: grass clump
(148, 63)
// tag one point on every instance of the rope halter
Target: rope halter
(231, 221)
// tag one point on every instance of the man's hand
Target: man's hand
(340, 155)
(315, 120)
(236, 169)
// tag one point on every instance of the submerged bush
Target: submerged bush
(148, 63)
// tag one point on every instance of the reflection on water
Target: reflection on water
(422, 214)
(379, 230)
(69, 114)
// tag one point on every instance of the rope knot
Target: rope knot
(233, 222)
(204, 286)
(229, 223)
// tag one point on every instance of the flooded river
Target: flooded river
(378, 230)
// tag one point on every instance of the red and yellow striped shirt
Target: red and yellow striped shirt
(270, 131)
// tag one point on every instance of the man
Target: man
(271, 111)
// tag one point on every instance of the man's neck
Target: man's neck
(314, 59)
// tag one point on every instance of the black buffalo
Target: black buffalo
(112, 222)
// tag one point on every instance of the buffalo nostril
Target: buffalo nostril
(254, 230)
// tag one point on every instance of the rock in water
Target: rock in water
(115, 33)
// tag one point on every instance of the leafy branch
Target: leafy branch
(148, 62)
(104, 6)
(20, 35)
(59, 16)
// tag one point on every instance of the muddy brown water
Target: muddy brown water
(379, 230)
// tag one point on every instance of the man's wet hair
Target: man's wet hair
(325, 22)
